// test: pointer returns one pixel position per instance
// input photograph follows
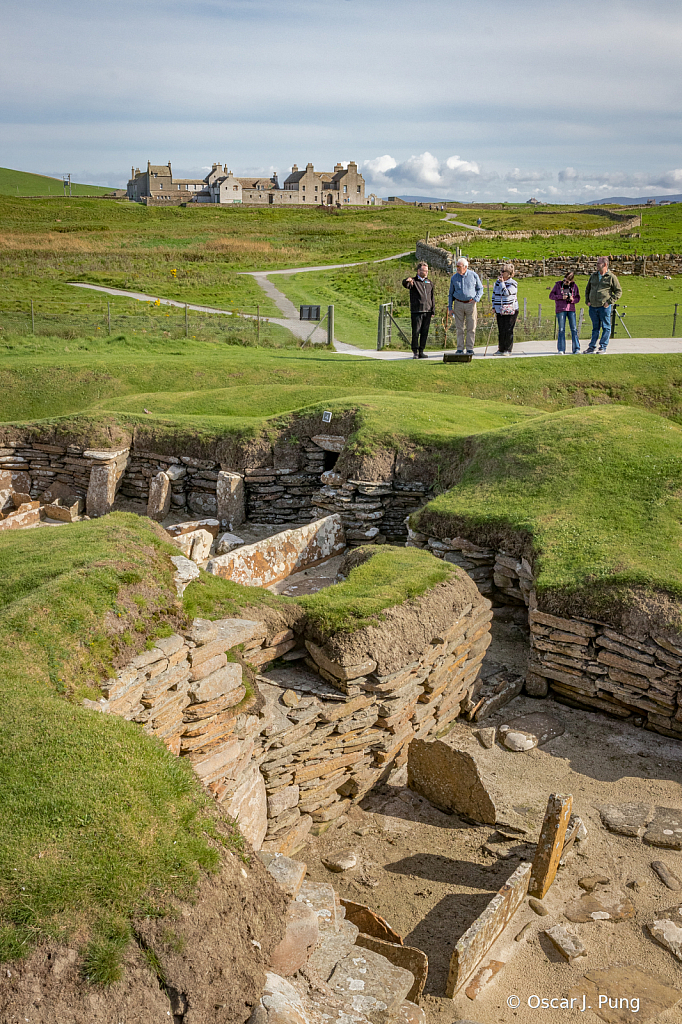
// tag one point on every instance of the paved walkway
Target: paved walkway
(302, 329)
(626, 346)
(452, 218)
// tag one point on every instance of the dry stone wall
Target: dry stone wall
(586, 663)
(655, 265)
(292, 752)
(371, 510)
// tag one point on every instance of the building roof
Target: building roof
(159, 169)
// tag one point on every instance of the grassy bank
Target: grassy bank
(592, 496)
(23, 183)
(41, 378)
(99, 822)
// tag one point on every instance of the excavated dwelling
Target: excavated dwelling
(296, 728)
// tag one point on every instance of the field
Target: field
(661, 232)
(198, 255)
(21, 183)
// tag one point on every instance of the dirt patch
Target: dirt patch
(406, 630)
(212, 954)
(427, 872)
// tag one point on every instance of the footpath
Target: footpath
(302, 329)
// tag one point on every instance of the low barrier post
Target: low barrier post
(33, 321)
(674, 320)
(186, 321)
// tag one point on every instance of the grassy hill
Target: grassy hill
(23, 183)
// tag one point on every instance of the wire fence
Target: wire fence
(240, 326)
(541, 325)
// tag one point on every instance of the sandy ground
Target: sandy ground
(427, 874)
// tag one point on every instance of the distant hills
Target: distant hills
(21, 183)
(626, 201)
(421, 199)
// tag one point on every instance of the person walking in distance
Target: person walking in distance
(506, 306)
(603, 289)
(422, 308)
(565, 294)
(466, 291)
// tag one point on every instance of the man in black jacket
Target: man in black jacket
(422, 308)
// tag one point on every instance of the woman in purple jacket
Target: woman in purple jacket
(565, 294)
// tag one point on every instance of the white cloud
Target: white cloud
(422, 171)
(380, 164)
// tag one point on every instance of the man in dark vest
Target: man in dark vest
(422, 308)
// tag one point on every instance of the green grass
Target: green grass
(99, 821)
(661, 232)
(592, 495)
(22, 183)
(113, 381)
(389, 577)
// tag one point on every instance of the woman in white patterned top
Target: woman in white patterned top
(506, 306)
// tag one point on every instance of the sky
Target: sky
(476, 100)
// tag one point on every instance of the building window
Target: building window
(303, 198)
(316, 188)
(345, 188)
(303, 187)
(359, 190)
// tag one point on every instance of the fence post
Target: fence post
(580, 320)
(330, 325)
(613, 319)
(257, 325)
(539, 314)
(33, 322)
(108, 318)
(544, 274)
(674, 320)
(525, 308)
(186, 321)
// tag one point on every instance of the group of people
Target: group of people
(466, 291)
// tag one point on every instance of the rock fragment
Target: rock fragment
(342, 860)
(590, 882)
(589, 908)
(665, 874)
(568, 945)
(626, 819)
(486, 736)
(482, 977)
(666, 928)
(666, 829)
(538, 907)
(530, 731)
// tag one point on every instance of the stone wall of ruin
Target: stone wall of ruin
(586, 663)
(293, 755)
(487, 267)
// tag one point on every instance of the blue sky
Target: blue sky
(484, 99)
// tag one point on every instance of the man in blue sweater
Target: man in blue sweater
(466, 291)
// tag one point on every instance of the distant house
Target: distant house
(533, 201)
(158, 185)
(340, 187)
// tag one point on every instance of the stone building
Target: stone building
(340, 187)
(337, 188)
(158, 185)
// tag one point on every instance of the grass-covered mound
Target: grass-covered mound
(379, 578)
(100, 823)
(591, 496)
(24, 183)
(115, 380)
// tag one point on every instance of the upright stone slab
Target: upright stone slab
(231, 499)
(105, 476)
(458, 776)
(248, 805)
(551, 844)
(158, 505)
(267, 561)
(476, 942)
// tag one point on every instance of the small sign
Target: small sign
(309, 313)
(326, 416)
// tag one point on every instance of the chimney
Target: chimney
(294, 169)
